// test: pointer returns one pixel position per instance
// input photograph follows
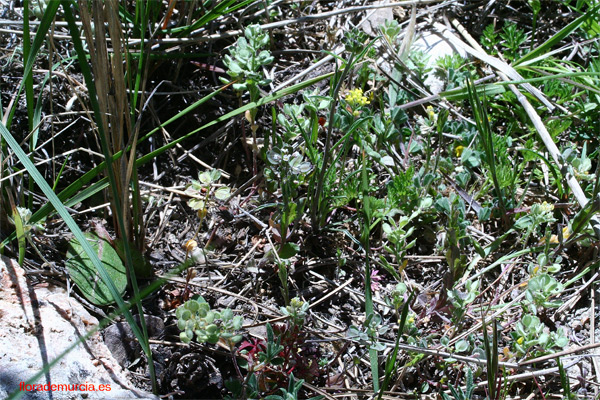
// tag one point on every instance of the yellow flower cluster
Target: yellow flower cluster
(355, 98)
(430, 112)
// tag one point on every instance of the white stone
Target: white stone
(435, 47)
(59, 321)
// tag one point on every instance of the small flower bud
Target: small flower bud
(190, 245)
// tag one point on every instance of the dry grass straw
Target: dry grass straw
(109, 67)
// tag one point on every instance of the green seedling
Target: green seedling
(546, 263)
(565, 382)
(296, 311)
(205, 190)
(205, 193)
(24, 229)
(367, 334)
(289, 170)
(455, 240)
(292, 391)
(397, 232)
(513, 37)
(489, 39)
(390, 30)
(195, 318)
(579, 166)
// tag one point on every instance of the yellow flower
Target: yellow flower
(520, 340)
(355, 98)
(459, 150)
(547, 207)
(566, 232)
(430, 112)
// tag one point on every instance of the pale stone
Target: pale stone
(37, 324)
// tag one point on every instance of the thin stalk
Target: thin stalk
(366, 243)
(316, 201)
(28, 80)
(485, 133)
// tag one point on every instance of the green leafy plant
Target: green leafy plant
(458, 393)
(546, 263)
(245, 62)
(581, 165)
(195, 318)
(540, 289)
(539, 214)
(397, 232)
(290, 171)
(489, 39)
(531, 337)
(461, 300)
(455, 239)
(367, 334)
(452, 70)
(390, 30)
(246, 59)
(205, 193)
(271, 362)
(513, 37)
(292, 391)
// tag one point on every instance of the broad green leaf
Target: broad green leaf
(288, 250)
(86, 277)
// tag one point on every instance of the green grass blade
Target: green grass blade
(558, 37)
(462, 93)
(20, 230)
(38, 40)
(28, 78)
(222, 8)
(62, 211)
(365, 240)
